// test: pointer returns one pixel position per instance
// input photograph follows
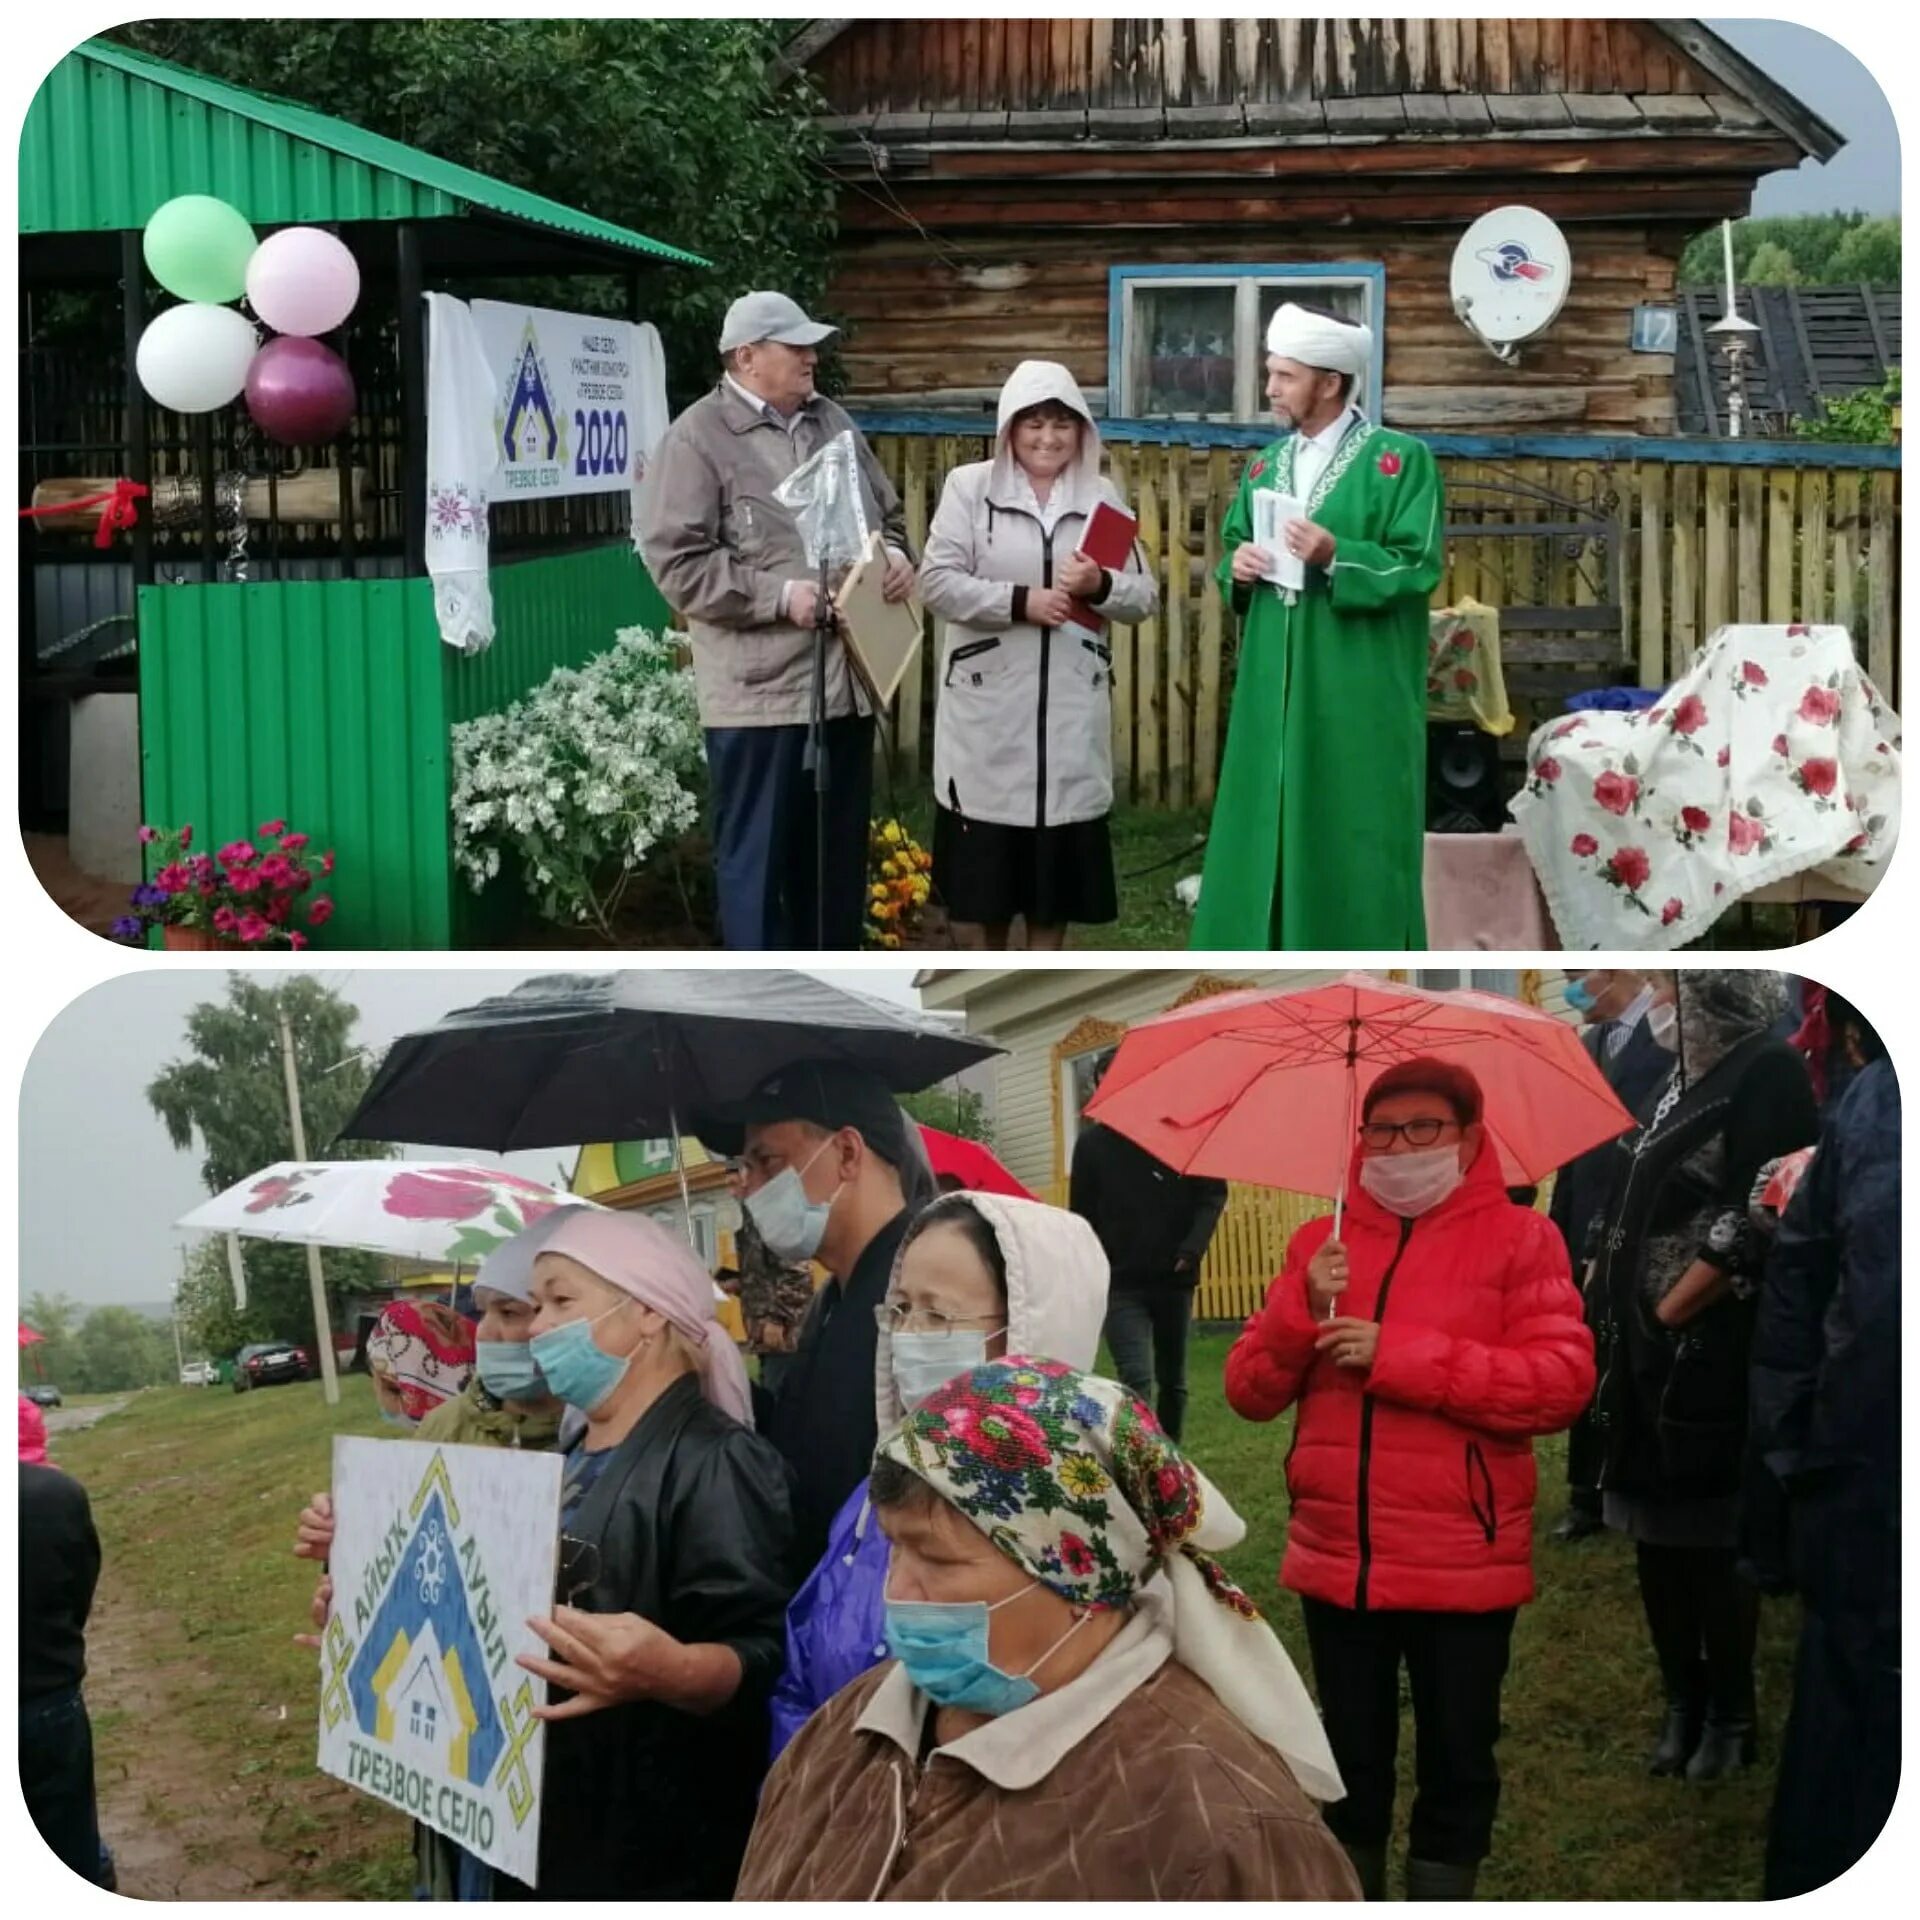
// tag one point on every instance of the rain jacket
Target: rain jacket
(1023, 733)
(476, 1419)
(1056, 1302)
(1412, 1484)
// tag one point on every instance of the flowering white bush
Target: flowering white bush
(582, 780)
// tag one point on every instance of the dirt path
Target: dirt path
(181, 1827)
(78, 1419)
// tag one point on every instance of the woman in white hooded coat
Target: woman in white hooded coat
(1023, 733)
(979, 1276)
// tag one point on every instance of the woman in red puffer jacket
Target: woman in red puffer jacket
(1425, 1349)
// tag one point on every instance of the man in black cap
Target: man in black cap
(834, 1171)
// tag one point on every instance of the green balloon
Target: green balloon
(198, 247)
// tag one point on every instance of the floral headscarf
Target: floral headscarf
(1075, 1481)
(424, 1351)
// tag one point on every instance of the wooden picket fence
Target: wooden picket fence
(1813, 536)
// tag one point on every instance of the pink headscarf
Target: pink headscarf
(658, 1269)
(33, 1434)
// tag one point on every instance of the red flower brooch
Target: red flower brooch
(1256, 470)
(1390, 464)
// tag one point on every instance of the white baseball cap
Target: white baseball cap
(770, 316)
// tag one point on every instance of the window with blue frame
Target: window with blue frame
(1189, 342)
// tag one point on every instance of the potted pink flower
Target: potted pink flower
(246, 895)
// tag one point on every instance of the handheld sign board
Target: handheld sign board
(440, 1554)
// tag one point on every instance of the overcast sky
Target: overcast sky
(1865, 174)
(100, 1185)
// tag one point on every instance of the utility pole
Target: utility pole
(316, 1278)
(179, 1358)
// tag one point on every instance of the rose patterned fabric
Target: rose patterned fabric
(425, 1353)
(1773, 755)
(1465, 680)
(1073, 1479)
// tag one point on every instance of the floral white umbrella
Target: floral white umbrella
(448, 1213)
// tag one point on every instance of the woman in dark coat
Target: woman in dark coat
(1672, 1300)
(675, 1534)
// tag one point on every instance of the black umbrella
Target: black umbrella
(569, 1058)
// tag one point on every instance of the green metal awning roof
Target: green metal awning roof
(113, 134)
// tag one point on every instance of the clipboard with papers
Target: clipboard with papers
(882, 638)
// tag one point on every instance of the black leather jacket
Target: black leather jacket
(689, 1526)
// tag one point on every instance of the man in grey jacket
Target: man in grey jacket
(730, 561)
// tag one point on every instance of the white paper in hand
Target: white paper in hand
(1272, 513)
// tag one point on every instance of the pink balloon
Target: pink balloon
(299, 392)
(302, 280)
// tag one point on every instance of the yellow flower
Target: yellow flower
(892, 833)
(878, 893)
(1082, 1475)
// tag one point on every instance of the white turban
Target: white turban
(1316, 341)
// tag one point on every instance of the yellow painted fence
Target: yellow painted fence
(1704, 545)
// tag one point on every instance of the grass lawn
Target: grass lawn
(1579, 1818)
(195, 1493)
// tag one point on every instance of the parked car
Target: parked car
(199, 1373)
(44, 1396)
(269, 1364)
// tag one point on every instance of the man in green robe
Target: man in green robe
(1318, 829)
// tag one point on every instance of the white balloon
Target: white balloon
(194, 358)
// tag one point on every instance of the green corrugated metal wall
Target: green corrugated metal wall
(551, 613)
(319, 702)
(328, 703)
(102, 150)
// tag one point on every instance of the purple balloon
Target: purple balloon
(299, 392)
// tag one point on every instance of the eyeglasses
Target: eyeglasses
(1378, 1136)
(901, 1316)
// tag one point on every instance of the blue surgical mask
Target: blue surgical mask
(576, 1366)
(924, 1362)
(507, 1370)
(1580, 997)
(943, 1646)
(791, 1224)
(395, 1419)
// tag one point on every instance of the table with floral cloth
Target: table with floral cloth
(1772, 756)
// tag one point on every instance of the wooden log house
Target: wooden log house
(1133, 197)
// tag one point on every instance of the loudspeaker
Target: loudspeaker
(1463, 780)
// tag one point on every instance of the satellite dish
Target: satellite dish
(1511, 272)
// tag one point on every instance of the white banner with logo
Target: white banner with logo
(440, 1554)
(578, 402)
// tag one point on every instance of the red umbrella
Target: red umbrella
(1264, 1086)
(973, 1165)
(28, 1337)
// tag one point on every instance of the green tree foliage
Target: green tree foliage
(1809, 250)
(680, 128)
(1863, 419)
(119, 1349)
(953, 1109)
(107, 1350)
(56, 1319)
(230, 1096)
(1773, 266)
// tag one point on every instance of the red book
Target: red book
(1107, 541)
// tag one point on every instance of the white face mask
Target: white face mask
(924, 1362)
(1411, 1184)
(1663, 1022)
(792, 1225)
